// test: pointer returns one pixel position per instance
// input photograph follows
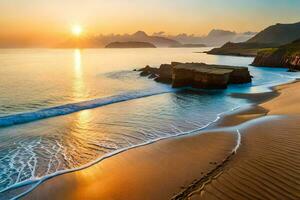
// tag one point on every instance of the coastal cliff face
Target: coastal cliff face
(277, 60)
(240, 49)
(285, 56)
(197, 75)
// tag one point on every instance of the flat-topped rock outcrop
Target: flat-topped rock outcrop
(198, 75)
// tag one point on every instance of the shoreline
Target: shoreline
(258, 115)
(221, 124)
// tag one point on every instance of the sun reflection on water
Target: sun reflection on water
(79, 87)
(77, 63)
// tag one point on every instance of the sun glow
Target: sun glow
(76, 30)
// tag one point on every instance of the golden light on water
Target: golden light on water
(77, 63)
(76, 30)
(79, 89)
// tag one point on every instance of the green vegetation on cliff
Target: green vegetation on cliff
(240, 49)
(284, 56)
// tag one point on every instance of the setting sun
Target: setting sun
(76, 30)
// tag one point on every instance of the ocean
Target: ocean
(65, 109)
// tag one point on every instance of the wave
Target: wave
(21, 118)
(34, 182)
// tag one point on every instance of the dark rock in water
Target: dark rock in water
(201, 75)
(164, 74)
(198, 75)
(152, 76)
(146, 71)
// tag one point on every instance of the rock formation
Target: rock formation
(240, 49)
(198, 75)
(285, 56)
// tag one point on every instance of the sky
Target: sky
(52, 20)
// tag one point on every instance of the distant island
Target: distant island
(131, 44)
(188, 45)
(271, 37)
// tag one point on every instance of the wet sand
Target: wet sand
(160, 169)
(202, 166)
(267, 166)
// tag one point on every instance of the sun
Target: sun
(76, 30)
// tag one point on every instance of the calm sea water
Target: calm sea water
(63, 109)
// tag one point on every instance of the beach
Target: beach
(203, 165)
(104, 100)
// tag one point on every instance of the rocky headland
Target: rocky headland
(240, 49)
(271, 37)
(285, 56)
(197, 75)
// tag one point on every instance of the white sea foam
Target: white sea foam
(238, 141)
(75, 107)
(35, 181)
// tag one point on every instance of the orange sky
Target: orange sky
(41, 20)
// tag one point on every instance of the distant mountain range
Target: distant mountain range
(278, 34)
(130, 44)
(100, 41)
(271, 37)
(139, 36)
(215, 37)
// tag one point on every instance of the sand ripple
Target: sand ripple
(267, 165)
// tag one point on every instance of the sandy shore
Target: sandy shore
(202, 166)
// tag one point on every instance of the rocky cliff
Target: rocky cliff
(240, 49)
(285, 56)
(197, 75)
